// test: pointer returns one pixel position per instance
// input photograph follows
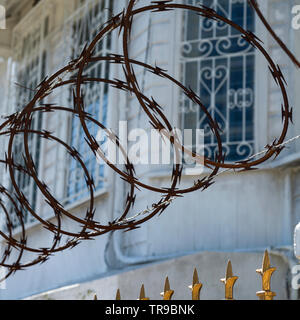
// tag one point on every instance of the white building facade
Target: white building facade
(238, 217)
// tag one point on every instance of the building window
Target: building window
(84, 27)
(219, 66)
(31, 62)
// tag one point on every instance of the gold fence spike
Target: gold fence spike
(95, 297)
(266, 261)
(168, 293)
(229, 282)
(142, 294)
(167, 285)
(266, 273)
(195, 277)
(118, 295)
(196, 287)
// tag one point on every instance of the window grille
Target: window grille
(84, 26)
(219, 66)
(31, 63)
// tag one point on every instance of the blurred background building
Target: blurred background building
(238, 217)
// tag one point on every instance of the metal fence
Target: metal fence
(229, 281)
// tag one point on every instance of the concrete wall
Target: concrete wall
(236, 213)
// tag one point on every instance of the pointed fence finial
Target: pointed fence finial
(143, 294)
(196, 286)
(266, 273)
(118, 295)
(168, 293)
(229, 282)
(95, 297)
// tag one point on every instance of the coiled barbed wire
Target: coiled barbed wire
(20, 124)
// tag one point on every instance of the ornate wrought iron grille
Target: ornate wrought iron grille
(218, 65)
(84, 26)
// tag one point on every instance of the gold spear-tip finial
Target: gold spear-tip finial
(168, 293)
(95, 297)
(118, 295)
(229, 282)
(143, 294)
(195, 277)
(265, 263)
(196, 286)
(266, 273)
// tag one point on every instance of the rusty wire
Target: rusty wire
(20, 124)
